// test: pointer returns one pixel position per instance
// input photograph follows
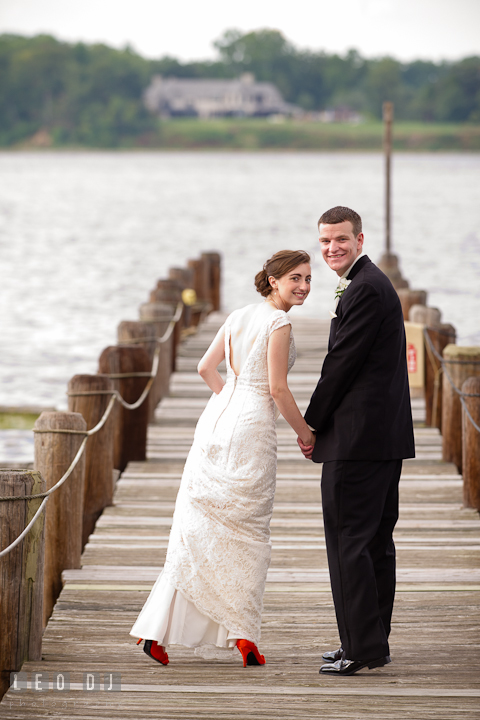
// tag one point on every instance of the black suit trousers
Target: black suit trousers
(360, 510)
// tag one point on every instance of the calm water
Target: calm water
(84, 237)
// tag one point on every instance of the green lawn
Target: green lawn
(17, 420)
(265, 134)
(254, 134)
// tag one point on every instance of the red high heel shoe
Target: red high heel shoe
(155, 651)
(250, 653)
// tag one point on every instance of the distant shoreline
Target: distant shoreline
(220, 134)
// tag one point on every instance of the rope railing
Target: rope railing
(116, 397)
(26, 531)
(433, 353)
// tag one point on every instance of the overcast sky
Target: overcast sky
(186, 29)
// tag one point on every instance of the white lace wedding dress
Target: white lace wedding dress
(210, 592)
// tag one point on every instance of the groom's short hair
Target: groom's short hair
(340, 214)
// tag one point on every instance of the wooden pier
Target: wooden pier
(435, 641)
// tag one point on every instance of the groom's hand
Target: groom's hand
(307, 450)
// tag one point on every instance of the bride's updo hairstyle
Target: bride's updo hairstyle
(279, 265)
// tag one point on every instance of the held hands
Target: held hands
(307, 446)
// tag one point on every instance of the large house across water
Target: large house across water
(241, 97)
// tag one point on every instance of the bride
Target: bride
(210, 592)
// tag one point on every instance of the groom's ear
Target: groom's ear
(360, 239)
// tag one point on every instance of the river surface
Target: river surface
(85, 235)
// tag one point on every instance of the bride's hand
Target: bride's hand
(307, 450)
(307, 442)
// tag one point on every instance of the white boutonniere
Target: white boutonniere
(341, 287)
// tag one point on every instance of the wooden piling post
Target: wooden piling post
(205, 273)
(21, 573)
(137, 333)
(431, 317)
(471, 444)
(167, 291)
(200, 269)
(90, 395)
(411, 297)
(440, 337)
(142, 334)
(460, 363)
(184, 276)
(170, 292)
(387, 149)
(213, 260)
(159, 316)
(121, 363)
(388, 263)
(54, 452)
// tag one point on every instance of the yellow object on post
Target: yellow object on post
(415, 354)
(189, 296)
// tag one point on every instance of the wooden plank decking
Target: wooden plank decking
(435, 640)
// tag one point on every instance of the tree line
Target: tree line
(91, 95)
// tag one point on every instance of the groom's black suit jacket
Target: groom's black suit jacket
(361, 405)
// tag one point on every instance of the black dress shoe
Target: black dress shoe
(333, 655)
(349, 667)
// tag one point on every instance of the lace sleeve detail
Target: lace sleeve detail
(279, 319)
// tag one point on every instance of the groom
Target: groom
(361, 413)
